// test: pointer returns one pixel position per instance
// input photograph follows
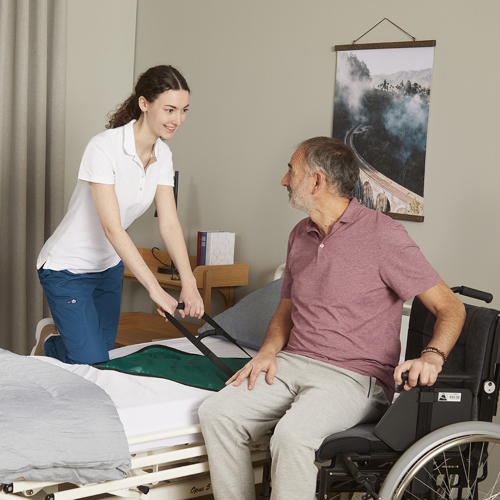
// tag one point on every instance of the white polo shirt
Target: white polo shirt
(79, 244)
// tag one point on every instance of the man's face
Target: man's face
(297, 182)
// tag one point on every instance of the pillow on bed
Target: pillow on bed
(248, 320)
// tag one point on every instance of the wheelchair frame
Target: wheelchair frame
(449, 462)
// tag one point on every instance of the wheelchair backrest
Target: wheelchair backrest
(475, 351)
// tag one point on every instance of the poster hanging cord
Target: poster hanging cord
(385, 19)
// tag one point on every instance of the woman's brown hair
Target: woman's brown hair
(150, 85)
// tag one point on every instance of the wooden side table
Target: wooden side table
(137, 328)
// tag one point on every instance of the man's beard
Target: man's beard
(300, 198)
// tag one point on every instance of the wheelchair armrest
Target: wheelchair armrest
(445, 377)
(456, 377)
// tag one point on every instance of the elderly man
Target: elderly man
(329, 358)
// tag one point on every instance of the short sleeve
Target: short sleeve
(98, 164)
(403, 267)
(166, 174)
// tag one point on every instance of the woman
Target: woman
(122, 170)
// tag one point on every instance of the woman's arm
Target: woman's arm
(108, 210)
(171, 234)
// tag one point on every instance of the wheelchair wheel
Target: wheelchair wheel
(454, 462)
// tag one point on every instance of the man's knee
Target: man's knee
(208, 410)
(212, 413)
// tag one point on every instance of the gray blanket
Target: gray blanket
(56, 426)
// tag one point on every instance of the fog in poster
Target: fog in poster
(382, 110)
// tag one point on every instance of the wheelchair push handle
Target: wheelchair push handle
(473, 293)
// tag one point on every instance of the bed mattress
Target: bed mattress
(145, 404)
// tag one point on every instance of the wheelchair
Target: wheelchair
(435, 442)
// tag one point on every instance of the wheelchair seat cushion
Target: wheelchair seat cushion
(358, 439)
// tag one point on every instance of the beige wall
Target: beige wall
(101, 50)
(262, 76)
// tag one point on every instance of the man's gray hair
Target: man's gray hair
(334, 159)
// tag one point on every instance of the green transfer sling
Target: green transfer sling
(165, 362)
(205, 372)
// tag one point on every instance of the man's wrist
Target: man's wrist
(434, 350)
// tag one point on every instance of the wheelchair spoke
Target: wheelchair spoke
(453, 470)
(491, 495)
(441, 489)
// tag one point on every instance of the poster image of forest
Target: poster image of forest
(381, 110)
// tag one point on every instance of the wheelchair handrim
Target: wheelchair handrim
(440, 449)
(443, 438)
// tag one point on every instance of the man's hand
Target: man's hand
(423, 370)
(276, 338)
(263, 362)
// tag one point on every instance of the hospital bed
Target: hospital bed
(160, 418)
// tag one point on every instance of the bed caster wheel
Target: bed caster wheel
(143, 489)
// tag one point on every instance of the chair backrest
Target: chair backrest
(473, 353)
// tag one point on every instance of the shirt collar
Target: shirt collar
(129, 140)
(350, 214)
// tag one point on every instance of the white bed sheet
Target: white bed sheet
(147, 404)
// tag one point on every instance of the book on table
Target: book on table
(202, 246)
(215, 248)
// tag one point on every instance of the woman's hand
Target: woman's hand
(193, 303)
(163, 301)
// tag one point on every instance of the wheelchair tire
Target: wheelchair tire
(450, 462)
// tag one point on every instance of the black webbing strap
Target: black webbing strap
(200, 345)
(218, 330)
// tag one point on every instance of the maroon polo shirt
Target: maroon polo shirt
(348, 290)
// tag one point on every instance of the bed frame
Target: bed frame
(170, 473)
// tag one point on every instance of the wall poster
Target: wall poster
(382, 95)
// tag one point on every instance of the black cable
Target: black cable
(166, 269)
(153, 253)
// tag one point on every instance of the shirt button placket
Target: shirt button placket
(320, 252)
(141, 185)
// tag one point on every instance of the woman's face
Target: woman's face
(166, 113)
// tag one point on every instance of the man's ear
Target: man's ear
(319, 180)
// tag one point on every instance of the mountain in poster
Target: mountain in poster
(422, 76)
(385, 120)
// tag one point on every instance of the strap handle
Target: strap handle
(200, 345)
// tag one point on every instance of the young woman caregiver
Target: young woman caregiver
(122, 170)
